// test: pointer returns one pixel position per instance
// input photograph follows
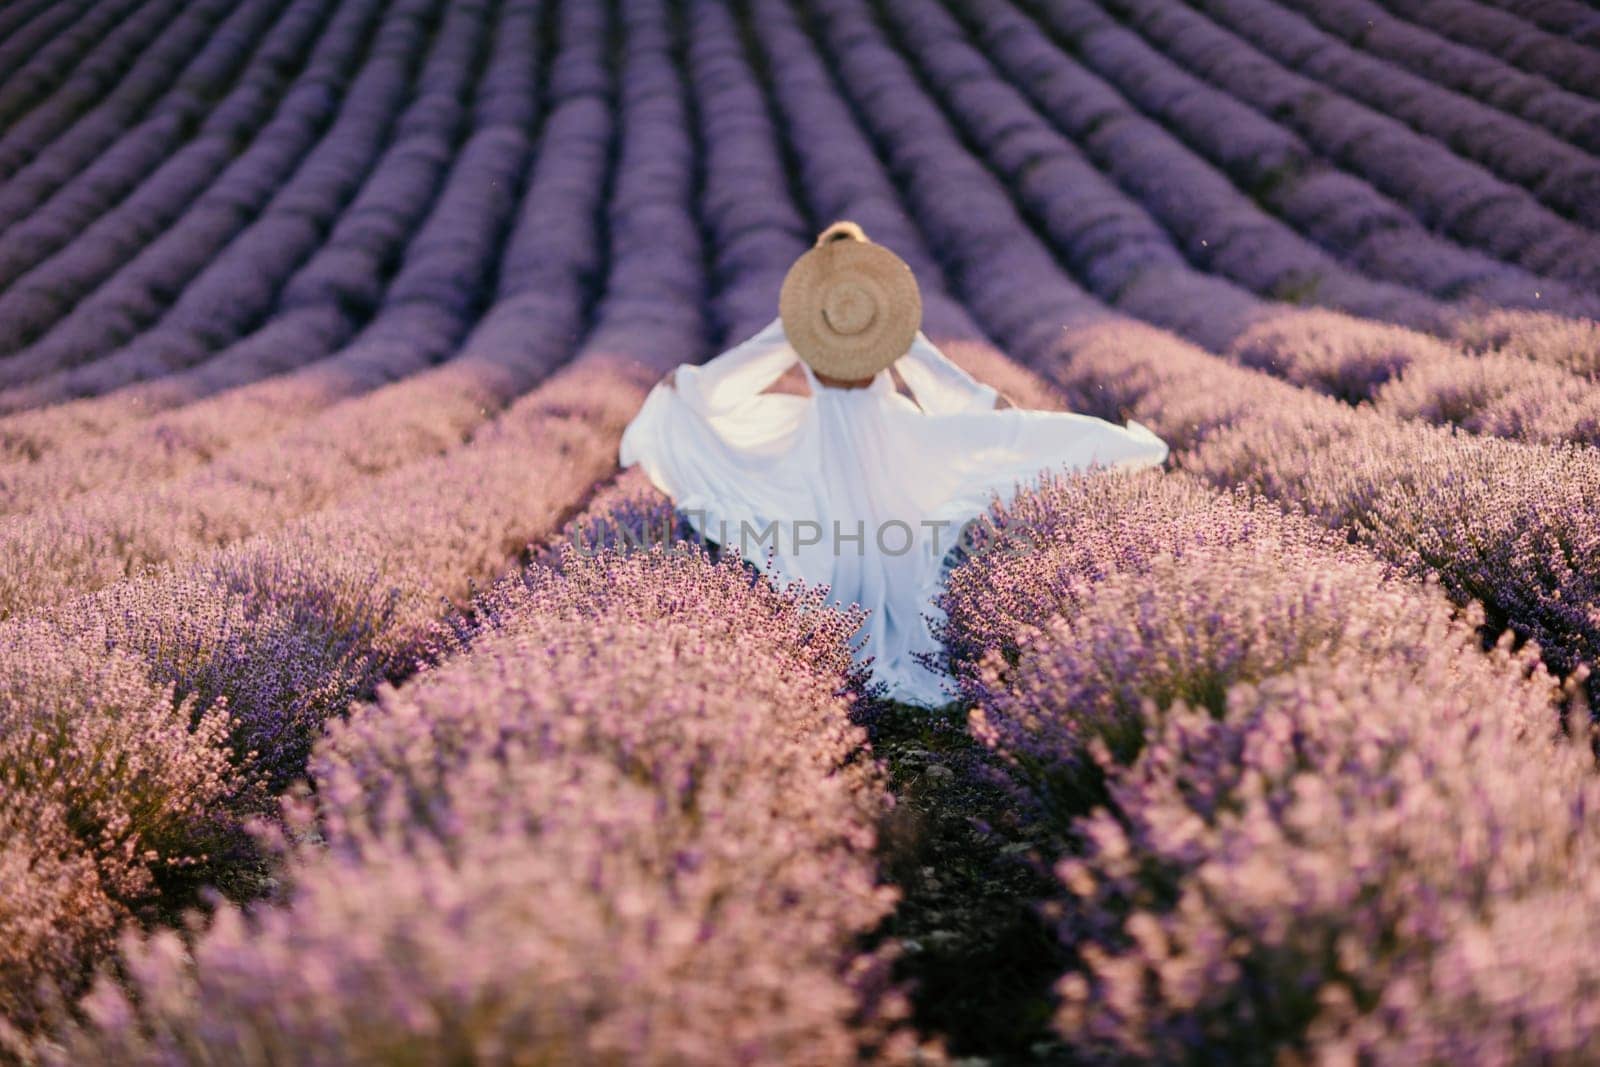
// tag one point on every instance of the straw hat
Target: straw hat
(849, 307)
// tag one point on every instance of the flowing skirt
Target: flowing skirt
(862, 490)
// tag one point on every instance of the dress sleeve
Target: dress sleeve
(939, 386)
(725, 381)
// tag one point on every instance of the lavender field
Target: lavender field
(356, 709)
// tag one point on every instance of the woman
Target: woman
(855, 486)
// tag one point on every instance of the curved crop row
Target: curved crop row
(241, 281)
(38, 169)
(1564, 62)
(27, 22)
(1445, 191)
(1498, 521)
(83, 243)
(85, 543)
(98, 44)
(1569, 18)
(65, 190)
(651, 729)
(1214, 679)
(39, 31)
(88, 298)
(1562, 176)
(548, 272)
(1340, 211)
(1368, 26)
(1138, 270)
(72, 127)
(1218, 227)
(192, 59)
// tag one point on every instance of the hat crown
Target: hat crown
(850, 307)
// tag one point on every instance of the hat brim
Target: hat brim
(873, 273)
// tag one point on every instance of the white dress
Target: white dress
(858, 489)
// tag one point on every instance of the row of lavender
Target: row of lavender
(150, 172)
(117, 275)
(1425, 176)
(399, 247)
(1205, 164)
(239, 475)
(1124, 257)
(1498, 521)
(1277, 151)
(312, 316)
(1196, 123)
(1263, 845)
(1297, 810)
(655, 752)
(536, 456)
(631, 823)
(241, 653)
(90, 49)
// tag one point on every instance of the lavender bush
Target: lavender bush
(1278, 778)
(1327, 871)
(104, 789)
(1177, 598)
(650, 750)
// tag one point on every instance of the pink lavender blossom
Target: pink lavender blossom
(105, 790)
(638, 793)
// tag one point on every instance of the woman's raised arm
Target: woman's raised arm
(727, 380)
(938, 385)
